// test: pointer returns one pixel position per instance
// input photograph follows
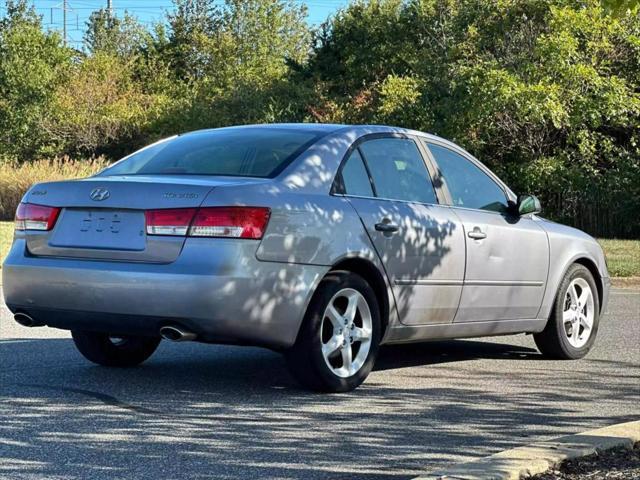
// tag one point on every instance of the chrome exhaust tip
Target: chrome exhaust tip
(176, 334)
(25, 320)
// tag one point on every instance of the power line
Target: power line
(149, 12)
(65, 7)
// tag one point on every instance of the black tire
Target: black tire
(552, 341)
(126, 351)
(305, 359)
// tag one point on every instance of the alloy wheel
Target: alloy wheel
(346, 331)
(578, 312)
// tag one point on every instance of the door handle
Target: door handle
(477, 234)
(387, 227)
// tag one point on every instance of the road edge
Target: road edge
(628, 283)
(540, 457)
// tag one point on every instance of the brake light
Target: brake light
(174, 221)
(226, 222)
(233, 222)
(35, 217)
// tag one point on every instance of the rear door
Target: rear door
(507, 255)
(421, 243)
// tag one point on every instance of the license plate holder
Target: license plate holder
(104, 229)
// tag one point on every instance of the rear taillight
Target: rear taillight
(234, 222)
(227, 222)
(169, 222)
(35, 217)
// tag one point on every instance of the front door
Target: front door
(420, 243)
(507, 256)
(507, 266)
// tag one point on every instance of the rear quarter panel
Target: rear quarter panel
(306, 228)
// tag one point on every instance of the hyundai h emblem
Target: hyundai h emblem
(99, 194)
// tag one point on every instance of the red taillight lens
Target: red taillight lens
(35, 217)
(232, 222)
(229, 222)
(169, 222)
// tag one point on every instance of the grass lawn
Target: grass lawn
(623, 256)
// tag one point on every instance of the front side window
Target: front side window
(398, 170)
(246, 152)
(468, 185)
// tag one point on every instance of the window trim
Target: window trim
(338, 188)
(509, 195)
(338, 181)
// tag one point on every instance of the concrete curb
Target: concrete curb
(539, 457)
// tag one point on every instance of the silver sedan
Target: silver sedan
(320, 241)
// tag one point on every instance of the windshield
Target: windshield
(245, 152)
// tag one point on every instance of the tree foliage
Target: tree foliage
(546, 92)
(100, 107)
(32, 65)
(122, 37)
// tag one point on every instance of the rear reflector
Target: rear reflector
(35, 217)
(227, 222)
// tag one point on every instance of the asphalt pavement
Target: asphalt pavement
(198, 411)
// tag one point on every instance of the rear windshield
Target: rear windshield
(245, 152)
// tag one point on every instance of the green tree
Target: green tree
(32, 64)
(191, 24)
(234, 60)
(103, 108)
(119, 36)
(262, 37)
(620, 6)
(545, 92)
(361, 45)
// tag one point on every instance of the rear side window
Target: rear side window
(355, 178)
(398, 170)
(468, 185)
(246, 152)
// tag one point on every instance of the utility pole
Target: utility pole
(110, 8)
(64, 21)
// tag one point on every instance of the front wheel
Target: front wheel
(114, 351)
(339, 337)
(573, 324)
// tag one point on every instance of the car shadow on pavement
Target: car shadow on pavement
(435, 352)
(204, 411)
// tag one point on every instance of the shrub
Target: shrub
(102, 109)
(33, 64)
(15, 179)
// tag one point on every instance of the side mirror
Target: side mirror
(528, 204)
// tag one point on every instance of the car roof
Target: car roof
(328, 128)
(315, 127)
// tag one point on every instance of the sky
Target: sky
(147, 11)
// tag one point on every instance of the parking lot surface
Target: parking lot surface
(205, 411)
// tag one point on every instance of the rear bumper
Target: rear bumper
(216, 287)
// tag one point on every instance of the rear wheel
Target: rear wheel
(114, 350)
(338, 340)
(572, 327)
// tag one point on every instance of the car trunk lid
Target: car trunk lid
(103, 218)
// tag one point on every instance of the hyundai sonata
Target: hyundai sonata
(320, 241)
